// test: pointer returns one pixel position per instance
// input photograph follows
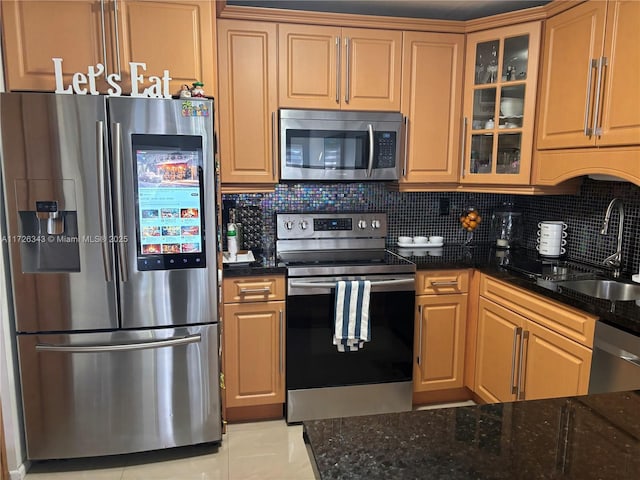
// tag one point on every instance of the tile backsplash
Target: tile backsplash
(420, 213)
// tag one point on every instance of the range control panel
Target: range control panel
(330, 225)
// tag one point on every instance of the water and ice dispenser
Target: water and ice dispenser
(48, 226)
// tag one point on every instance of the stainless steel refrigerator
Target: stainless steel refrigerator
(111, 233)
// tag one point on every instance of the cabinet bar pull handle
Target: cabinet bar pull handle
(281, 319)
(338, 68)
(370, 167)
(451, 283)
(274, 143)
(597, 129)
(117, 29)
(420, 337)
(406, 145)
(463, 145)
(516, 333)
(347, 93)
(521, 371)
(244, 291)
(102, 205)
(104, 40)
(587, 107)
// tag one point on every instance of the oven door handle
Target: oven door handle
(396, 281)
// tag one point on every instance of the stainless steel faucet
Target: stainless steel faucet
(614, 260)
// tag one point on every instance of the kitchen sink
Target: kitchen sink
(607, 289)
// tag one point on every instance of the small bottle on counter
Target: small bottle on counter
(232, 242)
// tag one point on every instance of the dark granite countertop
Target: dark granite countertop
(588, 437)
(621, 314)
(265, 264)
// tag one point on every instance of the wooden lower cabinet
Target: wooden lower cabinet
(554, 366)
(496, 352)
(440, 339)
(253, 344)
(521, 359)
(254, 353)
(440, 330)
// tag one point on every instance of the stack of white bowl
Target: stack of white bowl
(552, 238)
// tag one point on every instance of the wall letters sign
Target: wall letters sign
(82, 84)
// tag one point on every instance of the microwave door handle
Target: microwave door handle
(370, 128)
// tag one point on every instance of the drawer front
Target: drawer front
(253, 289)
(440, 282)
(571, 323)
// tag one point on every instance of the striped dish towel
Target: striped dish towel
(352, 327)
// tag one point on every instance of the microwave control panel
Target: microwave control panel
(385, 149)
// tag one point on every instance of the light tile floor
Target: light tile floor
(260, 450)
(268, 450)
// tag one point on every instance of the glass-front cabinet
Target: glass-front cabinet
(499, 104)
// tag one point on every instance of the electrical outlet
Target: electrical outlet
(444, 206)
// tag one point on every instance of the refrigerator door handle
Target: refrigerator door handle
(107, 261)
(119, 347)
(117, 156)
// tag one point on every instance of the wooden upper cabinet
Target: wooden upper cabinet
(339, 68)
(432, 68)
(501, 78)
(372, 69)
(589, 91)
(174, 35)
(34, 32)
(247, 102)
(573, 40)
(620, 122)
(308, 66)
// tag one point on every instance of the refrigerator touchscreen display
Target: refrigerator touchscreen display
(169, 201)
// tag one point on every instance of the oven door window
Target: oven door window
(313, 360)
(327, 149)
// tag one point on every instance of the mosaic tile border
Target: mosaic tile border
(419, 213)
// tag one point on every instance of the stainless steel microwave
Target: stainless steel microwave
(339, 145)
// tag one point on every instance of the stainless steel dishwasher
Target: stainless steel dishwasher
(615, 365)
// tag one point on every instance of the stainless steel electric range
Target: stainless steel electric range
(318, 250)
